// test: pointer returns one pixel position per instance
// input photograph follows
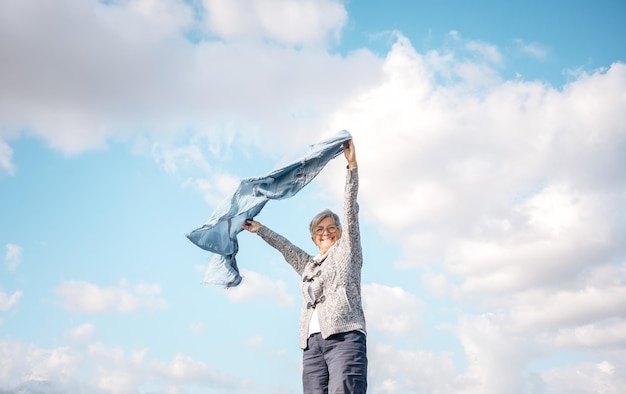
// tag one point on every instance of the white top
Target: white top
(314, 324)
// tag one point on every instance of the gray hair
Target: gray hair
(326, 213)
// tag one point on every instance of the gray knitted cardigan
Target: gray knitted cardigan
(334, 278)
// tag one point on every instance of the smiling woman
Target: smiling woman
(491, 192)
(332, 322)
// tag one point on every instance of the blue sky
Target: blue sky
(490, 139)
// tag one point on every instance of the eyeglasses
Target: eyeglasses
(331, 229)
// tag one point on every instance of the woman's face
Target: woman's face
(326, 234)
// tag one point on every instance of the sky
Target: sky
(491, 141)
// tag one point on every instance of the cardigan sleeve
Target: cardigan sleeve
(295, 256)
(351, 210)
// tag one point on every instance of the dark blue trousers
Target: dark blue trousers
(337, 365)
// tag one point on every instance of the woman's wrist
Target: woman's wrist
(352, 164)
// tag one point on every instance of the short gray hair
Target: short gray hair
(326, 213)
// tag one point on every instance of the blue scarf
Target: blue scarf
(219, 234)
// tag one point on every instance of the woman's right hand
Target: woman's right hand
(251, 225)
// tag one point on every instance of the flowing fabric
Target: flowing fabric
(219, 234)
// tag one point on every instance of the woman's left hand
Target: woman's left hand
(349, 152)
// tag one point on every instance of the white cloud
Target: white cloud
(116, 372)
(27, 368)
(588, 377)
(13, 256)
(582, 302)
(555, 308)
(465, 155)
(184, 368)
(287, 22)
(86, 297)
(256, 287)
(6, 154)
(147, 289)
(81, 334)
(101, 369)
(533, 49)
(184, 371)
(610, 333)
(180, 161)
(547, 239)
(172, 159)
(555, 210)
(167, 15)
(496, 359)
(223, 185)
(488, 52)
(7, 301)
(400, 370)
(392, 310)
(107, 70)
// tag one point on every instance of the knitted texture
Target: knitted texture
(334, 278)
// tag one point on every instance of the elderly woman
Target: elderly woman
(332, 323)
